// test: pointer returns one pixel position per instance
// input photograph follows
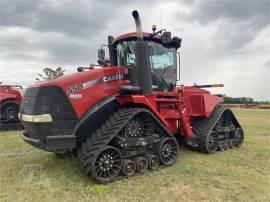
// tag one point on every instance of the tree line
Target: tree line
(242, 100)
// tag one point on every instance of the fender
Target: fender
(95, 117)
(7, 101)
(7, 96)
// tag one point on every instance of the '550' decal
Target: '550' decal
(91, 83)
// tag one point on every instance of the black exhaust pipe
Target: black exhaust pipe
(142, 59)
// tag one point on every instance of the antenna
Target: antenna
(161, 23)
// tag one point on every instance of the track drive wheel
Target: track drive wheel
(238, 137)
(153, 162)
(128, 167)
(139, 126)
(141, 164)
(107, 165)
(167, 151)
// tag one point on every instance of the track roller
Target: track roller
(128, 167)
(228, 144)
(222, 145)
(153, 162)
(141, 164)
(232, 146)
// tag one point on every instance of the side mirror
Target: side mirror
(101, 53)
(80, 69)
(166, 37)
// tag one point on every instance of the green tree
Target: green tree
(50, 73)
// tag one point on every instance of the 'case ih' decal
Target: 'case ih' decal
(113, 77)
(88, 84)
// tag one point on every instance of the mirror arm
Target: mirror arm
(154, 34)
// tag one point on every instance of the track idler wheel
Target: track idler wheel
(128, 167)
(141, 164)
(167, 151)
(211, 143)
(238, 137)
(153, 162)
(107, 165)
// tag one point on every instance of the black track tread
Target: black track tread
(91, 148)
(10, 126)
(202, 127)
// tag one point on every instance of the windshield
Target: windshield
(163, 62)
(126, 53)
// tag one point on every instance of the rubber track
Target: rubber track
(90, 149)
(92, 109)
(202, 127)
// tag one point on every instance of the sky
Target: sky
(223, 41)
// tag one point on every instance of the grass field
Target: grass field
(28, 174)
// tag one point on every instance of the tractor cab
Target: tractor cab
(162, 57)
(151, 58)
(159, 58)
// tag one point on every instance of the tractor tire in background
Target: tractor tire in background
(9, 116)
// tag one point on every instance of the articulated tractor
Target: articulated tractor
(128, 114)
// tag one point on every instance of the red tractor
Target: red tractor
(127, 116)
(10, 100)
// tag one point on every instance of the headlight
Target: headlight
(36, 118)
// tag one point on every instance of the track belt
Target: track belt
(202, 127)
(89, 150)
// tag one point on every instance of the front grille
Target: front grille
(48, 100)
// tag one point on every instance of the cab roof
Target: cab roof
(133, 36)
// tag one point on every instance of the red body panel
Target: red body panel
(180, 106)
(84, 98)
(176, 110)
(198, 102)
(134, 34)
(8, 93)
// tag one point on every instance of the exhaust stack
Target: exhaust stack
(138, 23)
(142, 59)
